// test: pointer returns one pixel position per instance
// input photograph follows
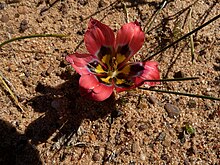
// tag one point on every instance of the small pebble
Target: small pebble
(12, 1)
(12, 68)
(64, 8)
(172, 110)
(142, 127)
(22, 10)
(217, 59)
(23, 26)
(152, 100)
(40, 2)
(167, 141)
(83, 2)
(178, 74)
(161, 136)
(2, 5)
(117, 138)
(92, 137)
(143, 157)
(135, 147)
(165, 157)
(129, 124)
(80, 145)
(96, 156)
(191, 151)
(5, 18)
(21, 98)
(49, 70)
(96, 147)
(17, 15)
(142, 105)
(102, 3)
(186, 162)
(192, 103)
(132, 162)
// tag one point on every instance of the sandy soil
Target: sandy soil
(133, 127)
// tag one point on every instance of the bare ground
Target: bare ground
(133, 127)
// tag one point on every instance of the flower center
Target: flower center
(112, 74)
(112, 71)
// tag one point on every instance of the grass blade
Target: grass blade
(151, 21)
(11, 93)
(191, 36)
(174, 79)
(182, 94)
(183, 37)
(32, 36)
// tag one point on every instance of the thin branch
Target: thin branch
(11, 93)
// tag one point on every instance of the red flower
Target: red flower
(106, 66)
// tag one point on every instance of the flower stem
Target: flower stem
(183, 94)
(32, 36)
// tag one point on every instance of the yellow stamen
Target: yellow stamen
(120, 58)
(106, 60)
(120, 81)
(125, 70)
(99, 69)
(106, 80)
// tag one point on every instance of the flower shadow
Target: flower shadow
(64, 110)
(15, 148)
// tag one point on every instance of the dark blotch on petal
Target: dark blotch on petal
(122, 76)
(92, 66)
(104, 51)
(124, 50)
(136, 69)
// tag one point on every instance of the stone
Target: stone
(152, 100)
(172, 110)
(192, 103)
(83, 2)
(178, 74)
(2, 5)
(23, 25)
(5, 18)
(135, 147)
(22, 10)
(96, 156)
(12, 1)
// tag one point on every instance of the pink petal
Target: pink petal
(93, 89)
(130, 39)
(150, 72)
(79, 62)
(97, 36)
